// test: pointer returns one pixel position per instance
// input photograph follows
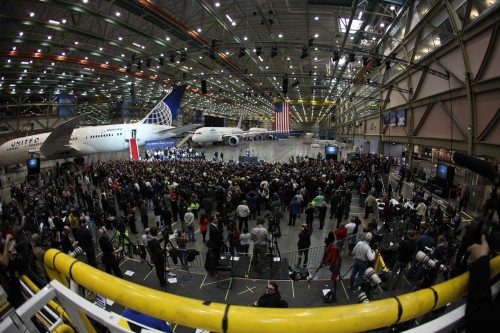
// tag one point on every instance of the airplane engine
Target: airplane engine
(233, 141)
(270, 137)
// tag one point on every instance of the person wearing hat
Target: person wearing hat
(362, 254)
(109, 254)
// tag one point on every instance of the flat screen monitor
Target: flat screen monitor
(442, 171)
(331, 150)
(33, 163)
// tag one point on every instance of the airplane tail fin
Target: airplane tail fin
(166, 109)
(239, 122)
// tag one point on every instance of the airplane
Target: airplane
(230, 135)
(66, 140)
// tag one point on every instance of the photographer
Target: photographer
(362, 254)
(109, 254)
(157, 255)
(304, 244)
(260, 238)
(406, 250)
(481, 313)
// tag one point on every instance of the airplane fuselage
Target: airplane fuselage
(215, 134)
(84, 140)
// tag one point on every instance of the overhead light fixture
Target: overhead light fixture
(305, 53)
(242, 52)
(258, 51)
(274, 51)
(336, 56)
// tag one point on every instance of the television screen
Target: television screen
(33, 163)
(442, 171)
(331, 150)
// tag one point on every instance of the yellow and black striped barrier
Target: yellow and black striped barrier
(219, 317)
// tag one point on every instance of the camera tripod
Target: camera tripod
(124, 240)
(273, 244)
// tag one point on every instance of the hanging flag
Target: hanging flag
(282, 117)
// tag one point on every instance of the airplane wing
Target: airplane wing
(57, 142)
(252, 134)
(179, 130)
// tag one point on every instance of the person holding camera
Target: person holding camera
(304, 244)
(481, 312)
(260, 238)
(406, 249)
(362, 254)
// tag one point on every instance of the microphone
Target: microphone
(482, 167)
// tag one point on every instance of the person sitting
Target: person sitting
(271, 297)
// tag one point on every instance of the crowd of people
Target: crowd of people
(58, 209)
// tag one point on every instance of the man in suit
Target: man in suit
(215, 242)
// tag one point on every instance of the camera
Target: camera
(482, 226)
(371, 281)
(274, 225)
(429, 263)
(76, 252)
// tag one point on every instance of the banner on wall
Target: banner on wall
(401, 117)
(387, 119)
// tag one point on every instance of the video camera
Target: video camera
(371, 281)
(274, 224)
(481, 226)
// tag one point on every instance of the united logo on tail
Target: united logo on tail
(165, 111)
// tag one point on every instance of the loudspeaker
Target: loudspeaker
(204, 87)
(285, 85)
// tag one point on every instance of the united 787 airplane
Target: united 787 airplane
(66, 140)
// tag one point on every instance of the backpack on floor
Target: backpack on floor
(329, 297)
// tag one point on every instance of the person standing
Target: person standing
(406, 249)
(370, 203)
(310, 215)
(362, 254)
(109, 254)
(143, 210)
(189, 221)
(244, 242)
(86, 241)
(157, 256)
(260, 238)
(322, 214)
(303, 244)
(243, 212)
(204, 226)
(340, 235)
(332, 259)
(294, 209)
(215, 242)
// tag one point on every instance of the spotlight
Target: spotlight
(258, 51)
(183, 56)
(148, 63)
(305, 53)
(274, 51)
(242, 52)
(172, 57)
(161, 60)
(352, 57)
(336, 56)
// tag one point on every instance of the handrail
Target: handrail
(225, 317)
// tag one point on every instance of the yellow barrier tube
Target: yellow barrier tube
(63, 328)
(230, 318)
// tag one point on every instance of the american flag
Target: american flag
(282, 117)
